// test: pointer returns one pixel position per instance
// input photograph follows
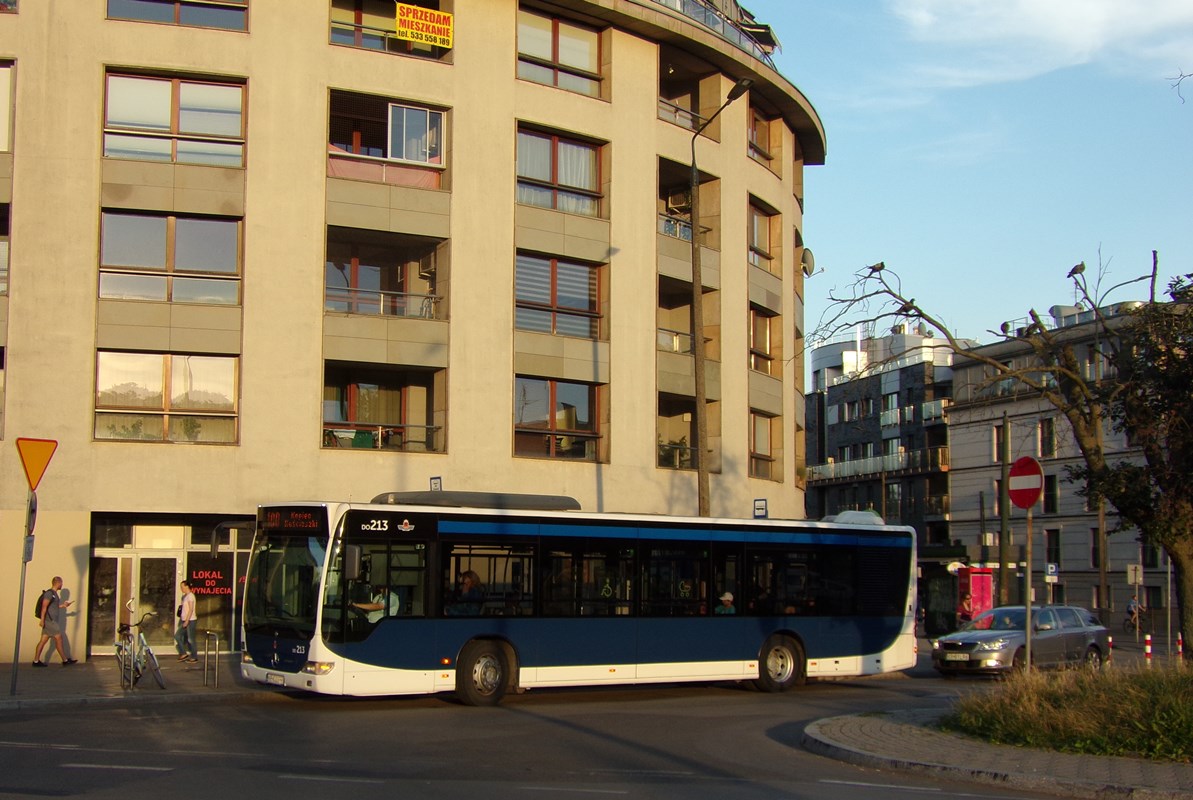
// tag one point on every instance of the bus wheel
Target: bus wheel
(481, 674)
(781, 665)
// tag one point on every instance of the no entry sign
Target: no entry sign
(1027, 482)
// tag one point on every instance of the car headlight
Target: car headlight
(994, 644)
(935, 644)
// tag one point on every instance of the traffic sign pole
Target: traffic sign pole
(35, 457)
(1027, 595)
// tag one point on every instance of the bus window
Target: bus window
(606, 580)
(675, 580)
(726, 564)
(559, 584)
(505, 574)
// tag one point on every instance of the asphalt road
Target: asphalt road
(698, 742)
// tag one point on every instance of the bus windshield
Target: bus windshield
(283, 582)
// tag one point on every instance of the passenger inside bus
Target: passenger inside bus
(469, 596)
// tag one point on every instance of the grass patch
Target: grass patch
(1113, 712)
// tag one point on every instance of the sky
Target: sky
(981, 148)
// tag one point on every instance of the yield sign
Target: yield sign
(1027, 482)
(35, 457)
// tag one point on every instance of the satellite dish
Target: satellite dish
(808, 261)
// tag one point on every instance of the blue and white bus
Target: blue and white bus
(482, 594)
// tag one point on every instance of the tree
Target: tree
(1147, 352)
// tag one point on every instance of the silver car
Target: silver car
(994, 641)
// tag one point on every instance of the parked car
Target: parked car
(994, 641)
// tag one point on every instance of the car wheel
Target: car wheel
(1019, 661)
(1093, 659)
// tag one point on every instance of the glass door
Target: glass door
(150, 580)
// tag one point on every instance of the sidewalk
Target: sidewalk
(97, 680)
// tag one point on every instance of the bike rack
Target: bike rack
(211, 637)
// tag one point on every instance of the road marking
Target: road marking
(566, 790)
(119, 766)
(326, 778)
(882, 786)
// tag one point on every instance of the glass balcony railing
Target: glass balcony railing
(670, 341)
(675, 227)
(676, 456)
(932, 459)
(707, 15)
(386, 304)
(382, 39)
(678, 115)
(403, 438)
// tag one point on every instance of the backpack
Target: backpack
(37, 604)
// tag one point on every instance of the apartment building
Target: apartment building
(1067, 545)
(257, 251)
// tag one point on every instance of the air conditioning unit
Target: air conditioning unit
(679, 202)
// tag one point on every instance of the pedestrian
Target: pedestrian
(50, 612)
(965, 610)
(184, 637)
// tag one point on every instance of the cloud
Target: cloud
(975, 42)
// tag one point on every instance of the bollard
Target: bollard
(1180, 648)
(1147, 649)
(208, 660)
(1109, 648)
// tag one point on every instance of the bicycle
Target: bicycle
(1142, 623)
(134, 655)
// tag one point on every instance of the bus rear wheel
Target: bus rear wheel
(781, 665)
(482, 674)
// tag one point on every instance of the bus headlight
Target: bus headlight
(245, 658)
(318, 667)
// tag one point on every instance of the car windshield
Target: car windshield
(998, 619)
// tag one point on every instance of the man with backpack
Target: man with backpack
(50, 609)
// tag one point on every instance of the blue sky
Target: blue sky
(981, 148)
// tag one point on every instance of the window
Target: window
(762, 459)
(6, 104)
(763, 338)
(759, 253)
(380, 408)
(375, 139)
(504, 575)
(559, 53)
(676, 581)
(559, 173)
(557, 296)
(8, 6)
(228, 15)
(371, 24)
(759, 137)
(1095, 548)
(387, 274)
(174, 120)
(1149, 555)
(163, 397)
(1, 391)
(3, 248)
(998, 440)
(1052, 546)
(555, 419)
(1051, 494)
(1047, 437)
(169, 258)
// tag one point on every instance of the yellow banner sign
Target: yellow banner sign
(424, 25)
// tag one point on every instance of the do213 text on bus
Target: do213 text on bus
(393, 598)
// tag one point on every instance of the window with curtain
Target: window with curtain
(762, 459)
(166, 397)
(555, 419)
(557, 296)
(174, 120)
(228, 15)
(559, 173)
(558, 53)
(169, 258)
(379, 407)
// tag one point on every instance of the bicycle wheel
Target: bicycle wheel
(122, 663)
(151, 661)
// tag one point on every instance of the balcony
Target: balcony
(400, 438)
(383, 40)
(934, 411)
(355, 167)
(675, 227)
(676, 455)
(670, 341)
(678, 115)
(386, 304)
(889, 418)
(932, 459)
(706, 14)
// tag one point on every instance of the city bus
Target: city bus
(483, 594)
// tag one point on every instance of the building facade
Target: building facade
(878, 441)
(258, 251)
(1066, 540)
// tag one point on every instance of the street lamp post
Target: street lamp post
(700, 452)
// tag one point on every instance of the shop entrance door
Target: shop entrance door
(149, 579)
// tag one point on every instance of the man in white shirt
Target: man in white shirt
(184, 637)
(382, 603)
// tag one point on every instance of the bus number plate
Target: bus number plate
(956, 656)
(274, 679)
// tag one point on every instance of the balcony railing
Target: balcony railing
(676, 456)
(936, 505)
(404, 438)
(670, 341)
(386, 304)
(933, 411)
(380, 39)
(932, 459)
(678, 115)
(382, 170)
(675, 227)
(889, 418)
(707, 15)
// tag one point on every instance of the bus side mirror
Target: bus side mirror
(352, 562)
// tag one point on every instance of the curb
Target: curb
(816, 741)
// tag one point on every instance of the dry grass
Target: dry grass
(1113, 712)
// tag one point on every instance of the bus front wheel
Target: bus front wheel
(482, 674)
(781, 665)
